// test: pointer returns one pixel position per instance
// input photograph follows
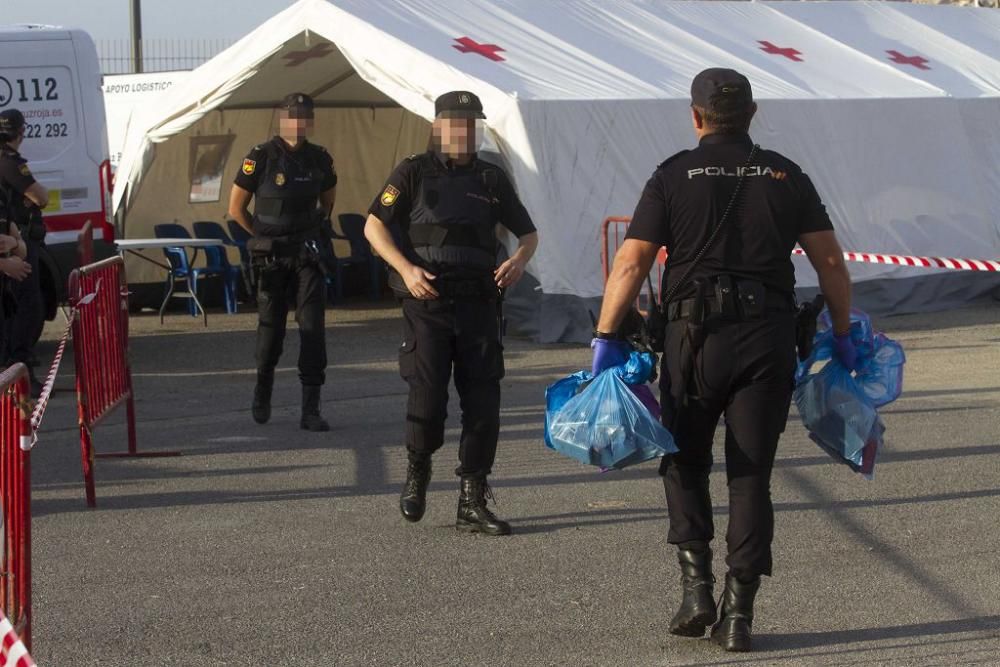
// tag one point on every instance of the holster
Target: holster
(262, 246)
(805, 325)
(691, 344)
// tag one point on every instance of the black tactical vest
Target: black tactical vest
(288, 191)
(454, 214)
(11, 201)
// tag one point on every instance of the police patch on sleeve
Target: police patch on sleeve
(389, 196)
(249, 166)
(24, 170)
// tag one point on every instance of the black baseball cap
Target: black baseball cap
(298, 105)
(458, 104)
(719, 89)
(11, 122)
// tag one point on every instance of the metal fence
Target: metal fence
(158, 55)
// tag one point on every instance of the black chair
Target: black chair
(352, 226)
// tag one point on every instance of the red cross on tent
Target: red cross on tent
(467, 45)
(791, 54)
(296, 58)
(917, 61)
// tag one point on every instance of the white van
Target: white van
(53, 77)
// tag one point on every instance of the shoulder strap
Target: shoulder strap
(715, 232)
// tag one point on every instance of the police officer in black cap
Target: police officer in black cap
(729, 215)
(293, 184)
(445, 205)
(22, 199)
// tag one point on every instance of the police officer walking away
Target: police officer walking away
(22, 199)
(293, 183)
(730, 215)
(445, 205)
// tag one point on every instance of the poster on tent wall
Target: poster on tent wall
(208, 161)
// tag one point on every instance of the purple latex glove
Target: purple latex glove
(608, 354)
(844, 350)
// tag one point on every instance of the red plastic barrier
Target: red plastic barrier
(613, 232)
(15, 496)
(98, 294)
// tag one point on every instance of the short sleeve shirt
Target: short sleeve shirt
(14, 172)
(394, 203)
(255, 163)
(687, 195)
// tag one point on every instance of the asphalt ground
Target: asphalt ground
(266, 545)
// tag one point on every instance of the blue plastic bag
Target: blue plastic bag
(839, 416)
(601, 422)
(879, 373)
(838, 408)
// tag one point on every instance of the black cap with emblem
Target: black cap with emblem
(11, 123)
(298, 105)
(458, 104)
(721, 90)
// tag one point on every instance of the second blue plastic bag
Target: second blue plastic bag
(840, 408)
(605, 424)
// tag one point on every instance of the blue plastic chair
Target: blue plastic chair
(352, 226)
(181, 269)
(240, 237)
(217, 260)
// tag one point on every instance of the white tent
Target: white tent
(892, 109)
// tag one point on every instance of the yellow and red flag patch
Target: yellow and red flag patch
(389, 196)
(249, 166)
(24, 170)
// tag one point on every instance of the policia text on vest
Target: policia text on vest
(293, 184)
(444, 206)
(730, 214)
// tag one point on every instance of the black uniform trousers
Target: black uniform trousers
(287, 279)
(24, 325)
(744, 370)
(438, 335)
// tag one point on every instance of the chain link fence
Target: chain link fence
(158, 55)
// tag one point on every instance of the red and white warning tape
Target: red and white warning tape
(12, 651)
(953, 263)
(50, 380)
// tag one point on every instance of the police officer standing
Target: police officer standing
(730, 215)
(22, 199)
(445, 204)
(293, 184)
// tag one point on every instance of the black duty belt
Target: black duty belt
(452, 287)
(776, 302)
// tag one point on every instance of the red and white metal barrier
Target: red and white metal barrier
(15, 498)
(613, 232)
(98, 294)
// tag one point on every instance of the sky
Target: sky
(170, 19)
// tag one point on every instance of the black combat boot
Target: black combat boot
(697, 609)
(732, 632)
(473, 515)
(311, 420)
(261, 408)
(413, 499)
